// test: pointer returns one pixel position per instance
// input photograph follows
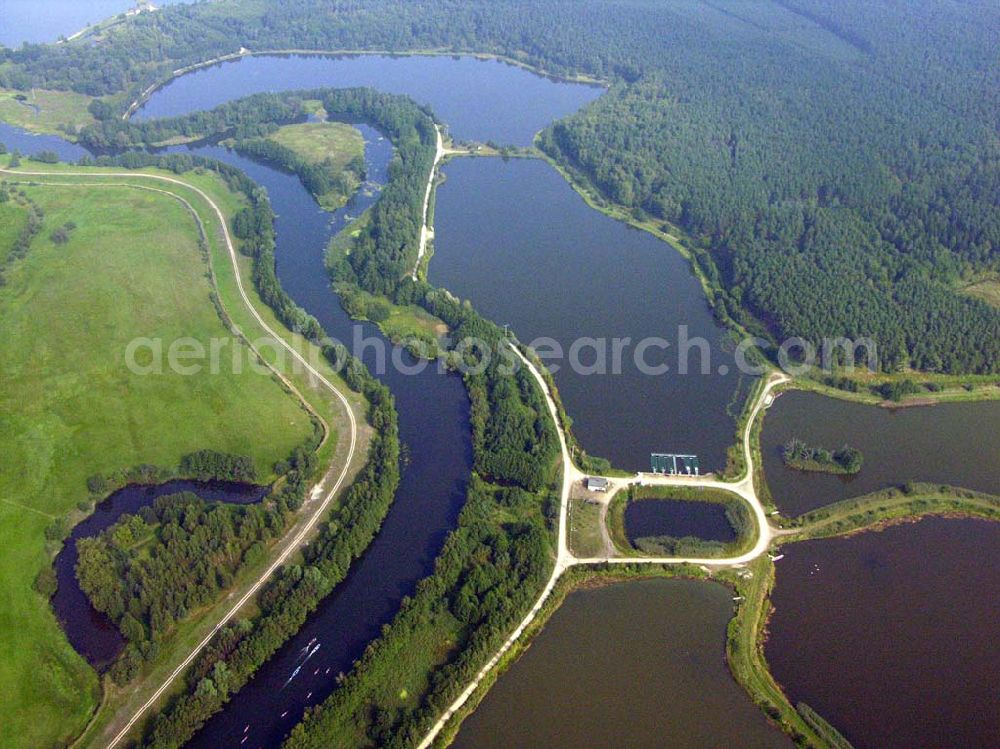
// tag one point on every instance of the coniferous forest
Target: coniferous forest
(835, 165)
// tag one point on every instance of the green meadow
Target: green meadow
(70, 407)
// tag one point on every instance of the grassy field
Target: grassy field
(119, 704)
(585, 538)
(44, 111)
(319, 141)
(987, 289)
(13, 217)
(335, 143)
(71, 408)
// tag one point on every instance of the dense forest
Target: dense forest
(838, 163)
(150, 570)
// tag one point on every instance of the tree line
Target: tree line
(33, 218)
(836, 165)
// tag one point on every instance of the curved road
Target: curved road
(570, 474)
(291, 544)
(565, 558)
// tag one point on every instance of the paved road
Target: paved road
(307, 523)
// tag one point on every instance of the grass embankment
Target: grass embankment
(737, 513)
(71, 408)
(40, 111)
(121, 703)
(585, 537)
(889, 506)
(745, 653)
(862, 386)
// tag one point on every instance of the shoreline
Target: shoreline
(243, 52)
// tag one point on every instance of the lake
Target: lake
(639, 665)
(515, 239)
(477, 99)
(950, 443)
(892, 636)
(39, 21)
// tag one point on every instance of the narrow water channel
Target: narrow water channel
(433, 422)
(89, 631)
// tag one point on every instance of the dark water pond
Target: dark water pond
(677, 518)
(639, 665)
(950, 443)
(477, 99)
(93, 635)
(524, 247)
(892, 636)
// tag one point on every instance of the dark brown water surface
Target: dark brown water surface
(638, 665)
(950, 443)
(677, 518)
(893, 636)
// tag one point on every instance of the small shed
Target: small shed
(597, 484)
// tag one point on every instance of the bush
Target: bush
(46, 157)
(57, 530)
(101, 110)
(46, 582)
